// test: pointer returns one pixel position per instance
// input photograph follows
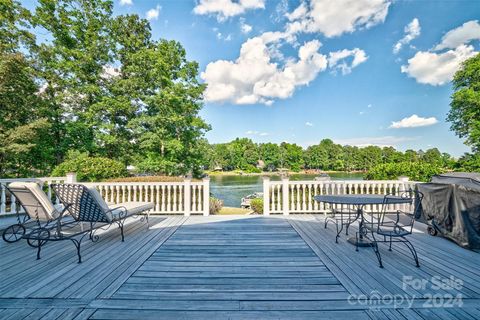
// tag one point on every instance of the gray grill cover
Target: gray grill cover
(451, 204)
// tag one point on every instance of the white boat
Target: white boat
(246, 200)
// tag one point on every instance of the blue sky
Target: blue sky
(359, 72)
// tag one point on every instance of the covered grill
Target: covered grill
(451, 207)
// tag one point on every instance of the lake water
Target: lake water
(231, 189)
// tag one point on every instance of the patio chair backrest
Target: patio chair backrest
(81, 204)
(35, 202)
(413, 197)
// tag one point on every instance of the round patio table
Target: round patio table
(359, 201)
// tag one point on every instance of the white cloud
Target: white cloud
(466, 33)
(309, 124)
(413, 121)
(254, 78)
(437, 68)
(333, 18)
(224, 9)
(338, 60)
(257, 133)
(110, 72)
(412, 31)
(245, 28)
(126, 2)
(385, 141)
(153, 13)
(221, 36)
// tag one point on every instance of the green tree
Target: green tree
(291, 156)
(464, 113)
(270, 154)
(433, 156)
(21, 128)
(71, 67)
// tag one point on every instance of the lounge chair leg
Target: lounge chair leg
(390, 246)
(148, 221)
(77, 246)
(39, 249)
(121, 231)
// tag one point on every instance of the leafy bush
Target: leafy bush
(257, 205)
(469, 162)
(251, 169)
(91, 169)
(215, 205)
(415, 171)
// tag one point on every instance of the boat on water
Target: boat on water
(246, 200)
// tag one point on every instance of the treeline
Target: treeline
(96, 86)
(243, 154)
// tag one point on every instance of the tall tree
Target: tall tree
(72, 65)
(21, 128)
(464, 114)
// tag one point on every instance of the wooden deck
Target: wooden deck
(236, 267)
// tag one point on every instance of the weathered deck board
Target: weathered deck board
(235, 267)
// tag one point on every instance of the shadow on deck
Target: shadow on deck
(237, 267)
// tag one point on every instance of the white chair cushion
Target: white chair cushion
(34, 200)
(98, 197)
(133, 208)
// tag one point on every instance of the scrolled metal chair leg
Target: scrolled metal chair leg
(412, 250)
(338, 231)
(377, 251)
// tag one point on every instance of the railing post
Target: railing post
(3, 199)
(285, 196)
(187, 201)
(206, 196)
(266, 196)
(71, 177)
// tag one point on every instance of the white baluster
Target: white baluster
(194, 199)
(157, 198)
(163, 199)
(180, 198)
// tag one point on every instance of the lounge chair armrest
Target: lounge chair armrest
(123, 211)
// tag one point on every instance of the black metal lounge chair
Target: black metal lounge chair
(394, 227)
(89, 213)
(39, 210)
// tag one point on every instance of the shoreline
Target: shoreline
(276, 173)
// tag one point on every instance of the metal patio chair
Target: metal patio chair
(393, 227)
(342, 217)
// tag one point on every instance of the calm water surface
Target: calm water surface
(231, 189)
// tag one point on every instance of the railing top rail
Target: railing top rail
(41, 179)
(126, 184)
(343, 182)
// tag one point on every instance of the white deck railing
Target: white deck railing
(186, 197)
(287, 196)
